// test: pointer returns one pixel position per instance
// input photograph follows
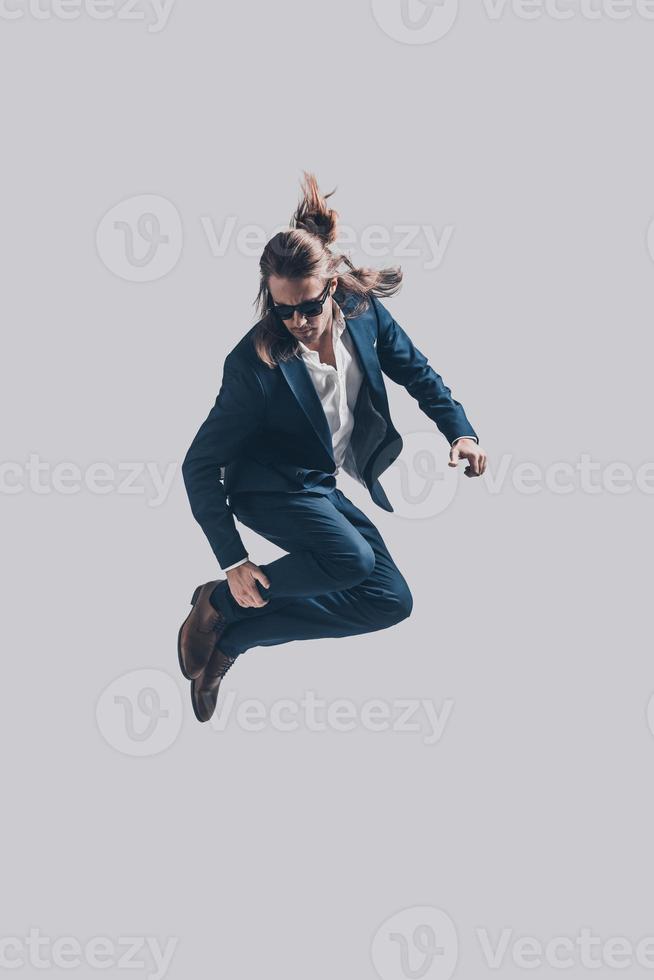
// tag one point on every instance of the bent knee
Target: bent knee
(360, 565)
(354, 568)
(401, 605)
(406, 603)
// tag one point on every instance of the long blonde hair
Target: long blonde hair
(302, 252)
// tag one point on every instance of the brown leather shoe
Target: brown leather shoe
(199, 632)
(204, 689)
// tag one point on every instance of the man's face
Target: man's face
(310, 330)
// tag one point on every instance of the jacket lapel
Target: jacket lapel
(367, 353)
(299, 380)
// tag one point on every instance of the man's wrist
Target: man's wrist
(236, 564)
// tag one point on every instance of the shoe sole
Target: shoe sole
(195, 710)
(194, 599)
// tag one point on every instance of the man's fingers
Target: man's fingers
(243, 599)
(476, 462)
(248, 600)
(253, 592)
(261, 577)
(241, 595)
(247, 594)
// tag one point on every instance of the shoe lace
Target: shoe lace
(227, 663)
(219, 623)
(223, 666)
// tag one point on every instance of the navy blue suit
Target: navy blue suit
(264, 454)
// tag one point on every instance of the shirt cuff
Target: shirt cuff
(236, 563)
(466, 437)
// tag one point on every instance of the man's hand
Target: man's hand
(241, 581)
(468, 449)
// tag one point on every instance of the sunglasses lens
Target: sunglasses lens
(310, 309)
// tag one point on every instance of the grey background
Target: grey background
(278, 853)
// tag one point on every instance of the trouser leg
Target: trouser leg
(337, 580)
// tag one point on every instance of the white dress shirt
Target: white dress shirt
(338, 389)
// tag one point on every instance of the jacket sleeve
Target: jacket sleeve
(403, 363)
(238, 413)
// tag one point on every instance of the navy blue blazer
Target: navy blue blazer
(267, 429)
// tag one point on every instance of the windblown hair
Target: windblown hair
(302, 252)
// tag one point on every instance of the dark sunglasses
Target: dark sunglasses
(310, 307)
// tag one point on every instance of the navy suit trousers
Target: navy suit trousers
(337, 578)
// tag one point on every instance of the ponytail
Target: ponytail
(303, 252)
